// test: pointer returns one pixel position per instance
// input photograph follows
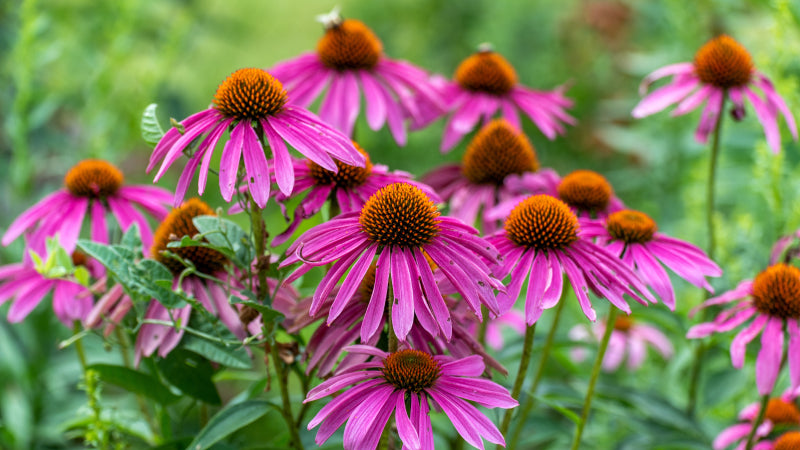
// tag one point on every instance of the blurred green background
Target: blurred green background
(77, 74)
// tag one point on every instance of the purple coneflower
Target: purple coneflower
(254, 105)
(772, 300)
(95, 187)
(722, 67)
(350, 59)
(781, 413)
(400, 225)
(210, 295)
(540, 241)
(789, 440)
(632, 236)
(350, 188)
(26, 288)
(383, 385)
(486, 83)
(629, 338)
(496, 153)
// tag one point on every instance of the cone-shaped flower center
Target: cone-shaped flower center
(542, 222)
(631, 227)
(585, 190)
(623, 323)
(79, 258)
(498, 150)
(400, 214)
(788, 441)
(347, 176)
(250, 94)
(411, 370)
(724, 63)
(178, 224)
(486, 71)
(781, 412)
(350, 45)
(776, 291)
(367, 283)
(93, 178)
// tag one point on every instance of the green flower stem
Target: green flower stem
(700, 349)
(598, 364)
(481, 337)
(524, 362)
(762, 410)
(76, 328)
(527, 405)
(260, 238)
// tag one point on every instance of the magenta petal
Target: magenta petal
(255, 165)
(794, 352)
(403, 306)
(364, 429)
(744, 337)
(376, 105)
(284, 171)
(768, 364)
(377, 302)
(229, 164)
(405, 429)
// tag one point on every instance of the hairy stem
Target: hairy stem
(527, 405)
(598, 364)
(524, 362)
(762, 410)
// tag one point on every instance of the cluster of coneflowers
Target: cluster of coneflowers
(410, 296)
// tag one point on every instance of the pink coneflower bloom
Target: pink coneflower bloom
(349, 188)
(252, 103)
(350, 59)
(210, 295)
(26, 288)
(722, 67)
(485, 84)
(539, 242)
(632, 236)
(95, 187)
(629, 338)
(400, 225)
(383, 385)
(476, 185)
(789, 440)
(772, 300)
(781, 413)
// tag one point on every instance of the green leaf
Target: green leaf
(82, 275)
(222, 233)
(268, 314)
(132, 238)
(186, 241)
(135, 382)
(151, 130)
(234, 356)
(230, 419)
(110, 258)
(191, 374)
(155, 280)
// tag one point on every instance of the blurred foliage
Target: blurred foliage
(77, 74)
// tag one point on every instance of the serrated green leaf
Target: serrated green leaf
(110, 258)
(191, 374)
(151, 130)
(155, 280)
(232, 355)
(132, 238)
(135, 382)
(225, 234)
(268, 314)
(230, 419)
(186, 241)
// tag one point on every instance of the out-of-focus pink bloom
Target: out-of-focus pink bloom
(251, 103)
(629, 338)
(485, 84)
(721, 68)
(772, 301)
(350, 61)
(95, 187)
(781, 412)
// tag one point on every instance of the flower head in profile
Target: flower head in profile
(721, 69)
(388, 383)
(402, 227)
(781, 413)
(94, 187)
(350, 187)
(629, 337)
(25, 287)
(633, 236)
(772, 301)
(485, 84)
(497, 152)
(540, 242)
(210, 295)
(350, 62)
(255, 107)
